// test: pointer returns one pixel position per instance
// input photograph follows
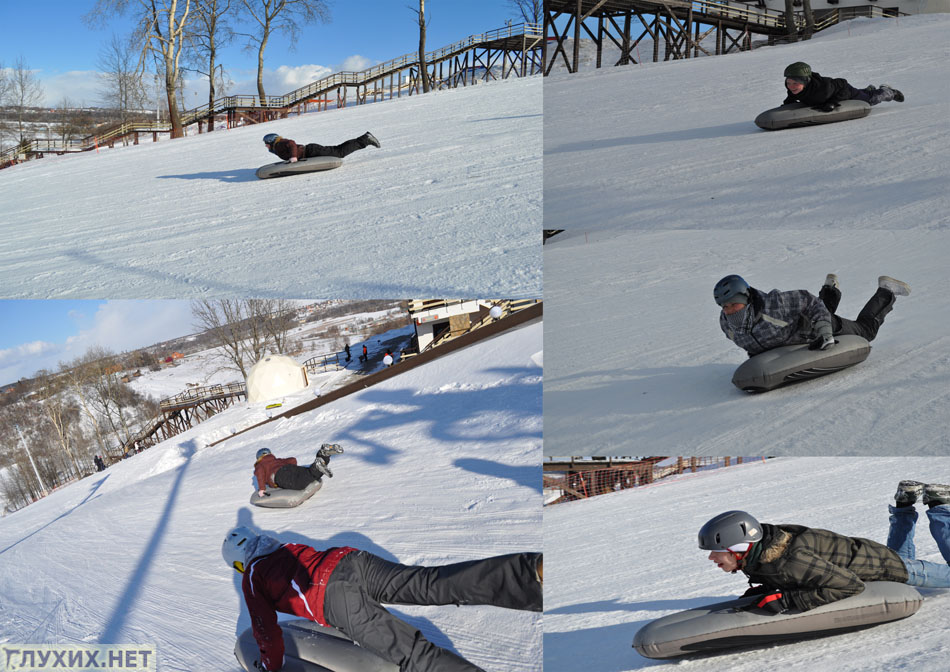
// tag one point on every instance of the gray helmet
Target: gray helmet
(728, 529)
(271, 138)
(798, 70)
(728, 287)
(262, 452)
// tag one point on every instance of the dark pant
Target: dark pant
(292, 477)
(362, 581)
(869, 319)
(348, 147)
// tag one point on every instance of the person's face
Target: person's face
(731, 308)
(793, 86)
(725, 560)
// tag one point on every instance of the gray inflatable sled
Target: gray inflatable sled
(792, 363)
(795, 115)
(280, 498)
(719, 626)
(309, 647)
(312, 165)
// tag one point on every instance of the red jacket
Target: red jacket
(285, 148)
(292, 580)
(267, 466)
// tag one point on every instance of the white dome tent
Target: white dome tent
(275, 376)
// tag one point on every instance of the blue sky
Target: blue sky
(41, 334)
(360, 34)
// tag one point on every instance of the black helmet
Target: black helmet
(728, 287)
(271, 138)
(728, 529)
(798, 70)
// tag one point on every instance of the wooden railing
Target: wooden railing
(199, 394)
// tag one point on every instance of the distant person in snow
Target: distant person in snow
(365, 356)
(757, 321)
(100, 465)
(826, 93)
(284, 473)
(289, 150)
(347, 348)
(345, 587)
(800, 568)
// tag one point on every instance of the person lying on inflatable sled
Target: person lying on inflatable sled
(344, 587)
(826, 93)
(756, 321)
(802, 568)
(284, 473)
(289, 150)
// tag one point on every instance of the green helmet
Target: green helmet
(798, 69)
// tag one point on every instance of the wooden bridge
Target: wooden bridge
(498, 54)
(678, 27)
(183, 411)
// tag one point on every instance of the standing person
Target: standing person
(757, 321)
(802, 568)
(289, 150)
(365, 356)
(345, 587)
(824, 94)
(347, 348)
(275, 472)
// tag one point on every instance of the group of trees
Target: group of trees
(20, 91)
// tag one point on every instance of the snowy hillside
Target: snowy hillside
(672, 145)
(449, 206)
(441, 465)
(639, 561)
(636, 356)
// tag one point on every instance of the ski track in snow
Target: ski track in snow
(132, 554)
(449, 206)
(638, 552)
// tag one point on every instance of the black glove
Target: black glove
(827, 107)
(774, 603)
(757, 590)
(822, 343)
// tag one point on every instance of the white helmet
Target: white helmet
(235, 543)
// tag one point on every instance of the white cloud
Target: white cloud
(355, 63)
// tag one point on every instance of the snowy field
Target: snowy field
(673, 145)
(618, 561)
(441, 465)
(636, 356)
(449, 206)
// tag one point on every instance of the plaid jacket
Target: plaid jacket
(813, 567)
(777, 318)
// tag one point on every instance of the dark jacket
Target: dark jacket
(291, 579)
(813, 567)
(821, 90)
(775, 319)
(267, 466)
(285, 148)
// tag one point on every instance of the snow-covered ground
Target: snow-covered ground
(449, 206)
(673, 144)
(618, 561)
(636, 357)
(442, 464)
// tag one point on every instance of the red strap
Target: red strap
(769, 598)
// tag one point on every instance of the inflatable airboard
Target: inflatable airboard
(798, 114)
(309, 647)
(280, 498)
(719, 626)
(792, 363)
(311, 165)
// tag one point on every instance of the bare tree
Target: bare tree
(423, 66)
(78, 375)
(532, 11)
(809, 19)
(790, 28)
(60, 417)
(4, 94)
(283, 16)
(244, 331)
(210, 33)
(223, 320)
(159, 30)
(123, 88)
(25, 92)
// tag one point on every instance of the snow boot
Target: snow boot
(319, 469)
(831, 280)
(908, 492)
(895, 287)
(328, 449)
(830, 294)
(936, 494)
(894, 93)
(369, 139)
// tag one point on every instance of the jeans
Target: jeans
(900, 538)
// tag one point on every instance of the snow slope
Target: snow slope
(449, 206)
(636, 357)
(673, 145)
(638, 552)
(441, 465)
